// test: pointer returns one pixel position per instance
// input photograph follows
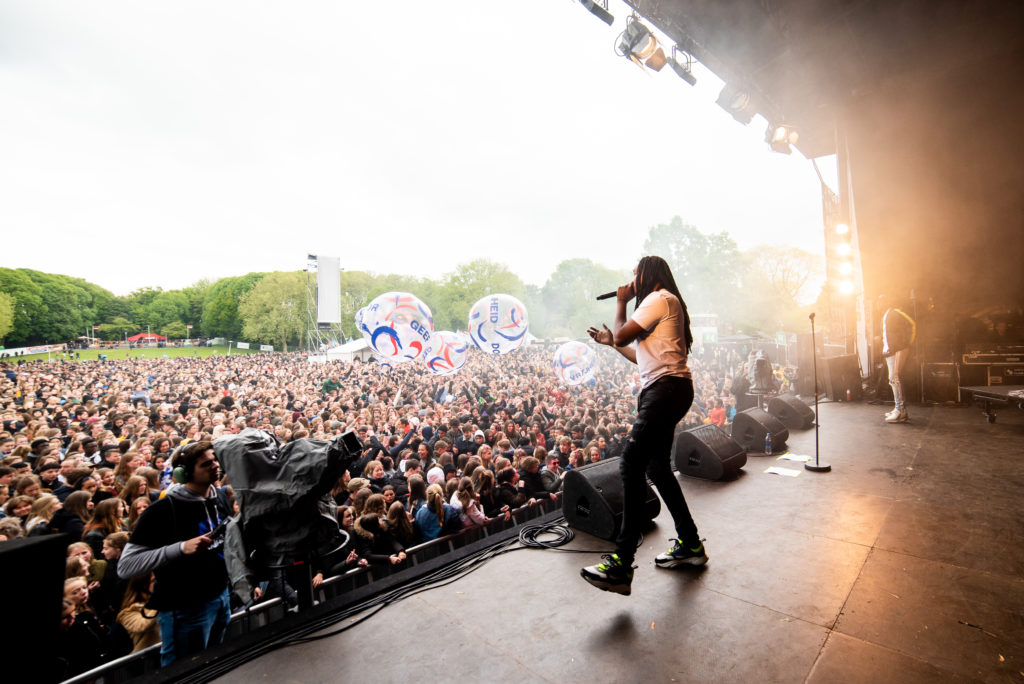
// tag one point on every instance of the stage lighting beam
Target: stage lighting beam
(781, 137)
(599, 9)
(842, 229)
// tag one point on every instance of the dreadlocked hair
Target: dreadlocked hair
(649, 272)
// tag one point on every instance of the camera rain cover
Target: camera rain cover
(277, 488)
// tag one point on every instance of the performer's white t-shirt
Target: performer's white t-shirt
(663, 352)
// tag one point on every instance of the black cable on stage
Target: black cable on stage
(549, 536)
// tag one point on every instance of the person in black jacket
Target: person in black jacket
(530, 482)
(507, 493)
(375, 543)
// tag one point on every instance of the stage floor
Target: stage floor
(905, 563)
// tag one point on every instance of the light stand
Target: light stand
(817, 467)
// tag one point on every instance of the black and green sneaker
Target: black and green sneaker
(682, 554)
(613, 574)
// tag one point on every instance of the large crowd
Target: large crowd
(86, 447)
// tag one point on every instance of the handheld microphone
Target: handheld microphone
(606, 295)
(811, 316)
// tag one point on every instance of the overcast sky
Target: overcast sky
(154, 144)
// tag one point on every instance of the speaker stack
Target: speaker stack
(791, 412)
(750, 427)
(707, 451)
(842, 378)
(592, 499)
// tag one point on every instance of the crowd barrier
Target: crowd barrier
(265, 613)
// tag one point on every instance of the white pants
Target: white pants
(896, 363)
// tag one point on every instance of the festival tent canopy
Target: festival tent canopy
(146, 337)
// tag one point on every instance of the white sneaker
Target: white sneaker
(890, 414)
(897, 417)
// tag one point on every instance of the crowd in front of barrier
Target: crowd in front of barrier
(86, 448)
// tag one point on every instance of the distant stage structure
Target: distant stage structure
(323, 302)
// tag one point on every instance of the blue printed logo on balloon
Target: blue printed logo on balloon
(498, 324)
(446, 352)
(397, 325)
(575, 363)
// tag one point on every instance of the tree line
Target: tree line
(757, 290)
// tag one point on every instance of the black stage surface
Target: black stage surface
(904, 564)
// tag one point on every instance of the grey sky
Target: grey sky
(159, 143)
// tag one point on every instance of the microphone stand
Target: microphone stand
(817, 467)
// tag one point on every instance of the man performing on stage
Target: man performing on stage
(660, 325)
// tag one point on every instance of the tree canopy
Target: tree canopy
(764, 289)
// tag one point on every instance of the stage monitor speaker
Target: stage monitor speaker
(842, 373)
(940, 383)
(750, 427)
(707, 451)
(793, 413)
(34, 568)
(592, 499)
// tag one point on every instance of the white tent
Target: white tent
(350, 351)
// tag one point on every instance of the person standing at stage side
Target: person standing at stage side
(898, 331)
(660, 325)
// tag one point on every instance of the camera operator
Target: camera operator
(179, 538)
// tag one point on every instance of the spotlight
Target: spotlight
(639, 45)
(780, 137)
(843, 249)
(842, 229)
(684, 68)
(737, 103)
(599, 9)
(846, 286)
(846, 268)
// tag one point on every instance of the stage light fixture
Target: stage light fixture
(682, 64)
(737, 102)
(780, 137)
(845, 268)
(639, 45)
(846, 286)
(843, 249)
(842, 229)
(599, 9)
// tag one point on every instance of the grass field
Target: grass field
(149, 353)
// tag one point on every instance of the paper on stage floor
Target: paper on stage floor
(793, 457)
(788, 472)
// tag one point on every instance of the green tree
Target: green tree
(458, 291)
(569, 298)
(6, 314)
(356, 287)
(706, 267)
(220, 309)
(117, 329)
(175, 330)
(196, 294)
(164, 308)
(274, 310)
(28, 306)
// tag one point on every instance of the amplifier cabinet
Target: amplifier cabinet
(1005, 374)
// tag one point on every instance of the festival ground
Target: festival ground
(905, 563)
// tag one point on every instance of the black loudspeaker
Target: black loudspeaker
(941, 383)
(842, 374)
(34, 568)
(791, 412)
(592, 499)
(707, 451)
(750, 427)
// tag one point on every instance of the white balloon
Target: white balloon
(397, 325)
(575, 363)
(498, 324)
(446, 352)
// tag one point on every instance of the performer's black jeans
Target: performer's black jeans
(648, 453)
